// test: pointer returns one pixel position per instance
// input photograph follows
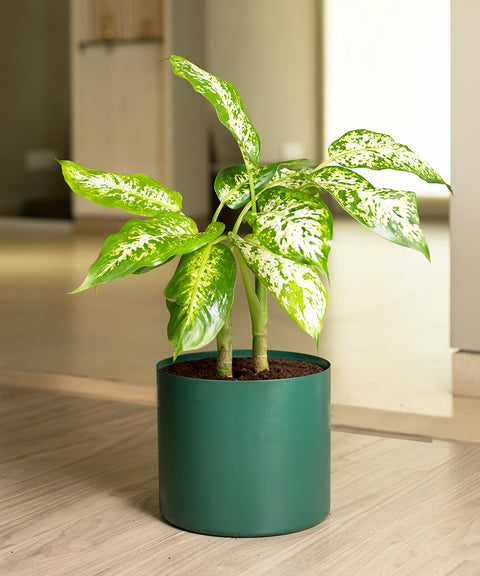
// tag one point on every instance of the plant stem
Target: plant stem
(257, 299)
(258, 315)
(241, 217)
(224, 350)
(259, 343)
(253, 200)
(217, 212)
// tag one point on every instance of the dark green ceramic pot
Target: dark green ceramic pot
(244, 458)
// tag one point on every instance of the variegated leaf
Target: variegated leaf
(294, 225)
(392, 214)
(200, 296)
(227, 102)
(297, 287)
(212, 232)
(136, 193)
(339, 180)
(141, 245)
(366, 149)
(233, 188)
(292, 174)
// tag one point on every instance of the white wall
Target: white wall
(387, 69)
(268, 50)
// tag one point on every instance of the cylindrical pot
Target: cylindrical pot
(244, 458)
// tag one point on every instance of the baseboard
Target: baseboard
(466, 374)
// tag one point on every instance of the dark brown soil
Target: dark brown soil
(279, 368)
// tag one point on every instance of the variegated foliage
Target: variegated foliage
(296, 286)
(392, 214)
(294, 225)
(232, 183)
(292, 174)
(199, 296)
(136, 193)
(142, 245)
(366, 149)
(227, 102)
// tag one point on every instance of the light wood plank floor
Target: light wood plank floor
(78, 496)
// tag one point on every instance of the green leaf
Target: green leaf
(392, 214)
(199, 296)
(142, 245)
(233, 188)
(136, 193)
(294, 225)
(365, 149)
(212, 232)
(292, 173)
(297, 287)
(227, 102)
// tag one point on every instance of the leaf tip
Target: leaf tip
(83, 286)
(424, 249)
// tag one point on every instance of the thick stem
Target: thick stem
(261, 293)
(257, 300)
(224, 350)
(259, 351)
(258, 314)
(259, 342)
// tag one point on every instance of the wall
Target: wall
(186, 129)
(116, 109)
(387, 69)
(268, 50)
(130, 114)
(383, 69)
(465, 208)
(35, 107)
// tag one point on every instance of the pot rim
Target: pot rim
(238, 353)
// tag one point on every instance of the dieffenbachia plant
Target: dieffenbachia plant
(291, 227)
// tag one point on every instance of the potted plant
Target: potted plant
(247, 457)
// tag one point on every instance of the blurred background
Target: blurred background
(84, 80)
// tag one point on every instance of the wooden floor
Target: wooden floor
(78, 496)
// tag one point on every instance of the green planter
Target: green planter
(244, 458)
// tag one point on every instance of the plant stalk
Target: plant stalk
(259, 343)
(224, 350)
(257, 305)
